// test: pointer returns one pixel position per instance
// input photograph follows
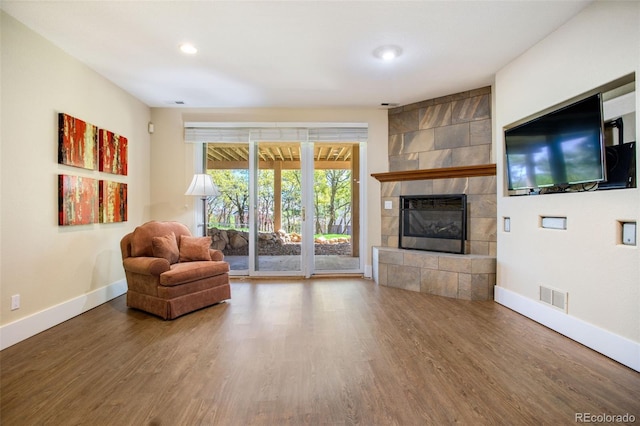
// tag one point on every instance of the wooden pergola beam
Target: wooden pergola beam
(269, 165)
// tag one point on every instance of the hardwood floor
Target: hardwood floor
(322, 351)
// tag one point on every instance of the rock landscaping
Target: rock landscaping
(236, 243)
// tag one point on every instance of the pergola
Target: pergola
(278, 156)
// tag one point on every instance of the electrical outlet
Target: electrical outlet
(388, 205)
(15, 302)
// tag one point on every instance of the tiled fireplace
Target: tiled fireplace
(438, 147)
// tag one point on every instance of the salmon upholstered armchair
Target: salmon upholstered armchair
(170, 273)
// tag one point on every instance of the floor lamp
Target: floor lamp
(202, 186)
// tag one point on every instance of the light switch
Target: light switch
(629, 233)
(388, 205)
(507, 224)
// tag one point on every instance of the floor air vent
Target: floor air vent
(555, 298)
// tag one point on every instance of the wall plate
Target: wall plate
(554, 222)
(629, 233)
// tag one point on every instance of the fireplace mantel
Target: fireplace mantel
(443, 173)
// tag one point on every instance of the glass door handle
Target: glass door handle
(304, 214)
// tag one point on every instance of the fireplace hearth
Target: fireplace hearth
(434, 223)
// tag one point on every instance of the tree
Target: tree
(291, 200)
(265, 200)
(339, 184)
(332, 199)
(234, 197)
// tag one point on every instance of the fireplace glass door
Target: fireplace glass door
(434, 223)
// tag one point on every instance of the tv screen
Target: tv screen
(563, 147)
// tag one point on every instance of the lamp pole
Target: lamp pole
(202, 186)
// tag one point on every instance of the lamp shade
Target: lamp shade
(202, 185)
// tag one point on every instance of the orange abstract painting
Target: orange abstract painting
(113, 201)
(77, 142)
(77, 200)
(112, 153)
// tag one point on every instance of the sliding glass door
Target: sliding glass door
(228, 212)
(288, 205)
(336, 207)
(279, 214)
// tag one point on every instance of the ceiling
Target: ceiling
(293, 53)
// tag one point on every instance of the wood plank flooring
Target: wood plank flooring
(322, 351)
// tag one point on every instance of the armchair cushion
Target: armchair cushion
(191, 271)
(194, 248)
(166, 247)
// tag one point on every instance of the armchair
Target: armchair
(170, 273)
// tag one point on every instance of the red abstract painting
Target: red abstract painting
(77, 200)
(113, 201)
(77, 142)
(112, 153)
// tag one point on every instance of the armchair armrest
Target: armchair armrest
(146, 265)
(216, 254)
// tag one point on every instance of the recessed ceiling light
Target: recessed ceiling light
(188, 48)
(387, 53)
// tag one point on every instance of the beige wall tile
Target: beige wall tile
(464, 286)
(391, 257)
(483, 229)
(453, 136)
(421, 259)
(441, 283)
(390, 189)
(471, 109)
(483, 265)
(454, 263)
(418, 141)
(405, 277)
(404, 162)
(480, 132)
(406, 121)
(483, 205)
(395, 144)
(417, 187)
(471, 155)
(435, 116)
(451, 186)
(435, 159)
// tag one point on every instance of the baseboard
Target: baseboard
(22, 329)
(367, 271)
(618, 348)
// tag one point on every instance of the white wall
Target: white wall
(58, 271)
(169, 183)
(601, 276)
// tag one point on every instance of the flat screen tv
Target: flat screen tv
(561, 148)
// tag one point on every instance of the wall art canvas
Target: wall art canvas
(77, 200)
(112, 152)
(77, 142)
(113, 201)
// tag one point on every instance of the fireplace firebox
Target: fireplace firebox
(433, 223)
